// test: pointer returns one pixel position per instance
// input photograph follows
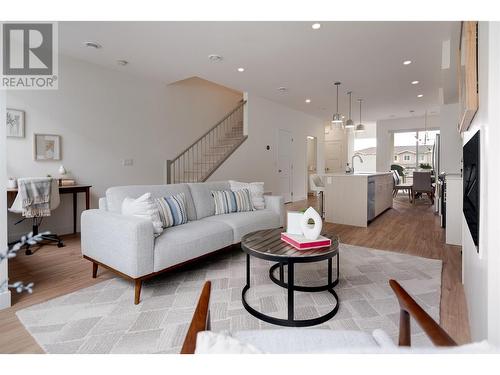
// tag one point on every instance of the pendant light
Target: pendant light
(360, 127)
(349, 124)
(337, 117)
(426, 134)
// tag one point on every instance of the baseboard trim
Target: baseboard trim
(62, 231)
(5, 301)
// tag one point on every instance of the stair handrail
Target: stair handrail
(241, 103)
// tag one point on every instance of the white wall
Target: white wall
(451, 142)
(481, 280)
(105, 116)
(385, 132)
(5, 295)
(252, 162)
(493, 202)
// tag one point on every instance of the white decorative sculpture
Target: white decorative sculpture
(311, 231)
(62, 171)
(293, 222)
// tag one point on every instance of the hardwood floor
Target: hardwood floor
(405, 228)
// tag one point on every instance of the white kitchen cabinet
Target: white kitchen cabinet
(354, 199)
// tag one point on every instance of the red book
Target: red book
(302, 243)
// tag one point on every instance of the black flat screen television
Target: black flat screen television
(471, 157)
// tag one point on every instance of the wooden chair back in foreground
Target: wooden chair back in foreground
(409, 307)
(200, 321)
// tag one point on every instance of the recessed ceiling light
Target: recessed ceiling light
(308, 100)
(215, 58)
(414, 82)
(407, 62)
(420, 95)
(122, 62)
(316, 26)
(92, 44)
(241, 69)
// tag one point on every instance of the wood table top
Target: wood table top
(267, 244)
(76, 186)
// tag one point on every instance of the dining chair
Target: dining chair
(422, 183)
(401, 186)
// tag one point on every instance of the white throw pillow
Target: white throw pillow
(256, 192)
(222, 343)
(144, 207)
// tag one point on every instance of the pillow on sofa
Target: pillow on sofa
(144, 207)
(256, 192)
(227, 201)
(172, 210)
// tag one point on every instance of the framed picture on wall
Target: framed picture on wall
(468, 74)
(15, 123)
(46, 147)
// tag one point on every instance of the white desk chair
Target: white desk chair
(54, 201)
(318, 186)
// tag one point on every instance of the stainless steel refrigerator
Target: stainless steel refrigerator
(436, 149)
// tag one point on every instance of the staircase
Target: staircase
(197, 162)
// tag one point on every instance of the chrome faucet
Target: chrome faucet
(352, 161)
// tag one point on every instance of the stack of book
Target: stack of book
(301, 243)
(66, 182)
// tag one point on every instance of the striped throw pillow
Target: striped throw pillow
(172, 210)
(227, 201)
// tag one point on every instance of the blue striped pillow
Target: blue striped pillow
(172, 210)
(227, 201)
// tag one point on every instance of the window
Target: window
(395, 158)
(365, 143)
(413, 148)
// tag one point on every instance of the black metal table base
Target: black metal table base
(291, 287)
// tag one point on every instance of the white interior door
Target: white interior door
(285, 165)
(334, 151)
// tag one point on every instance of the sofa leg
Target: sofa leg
(94, 270)
(138, 286)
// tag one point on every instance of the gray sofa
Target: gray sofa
(127, 245)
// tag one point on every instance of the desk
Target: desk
(72, 189)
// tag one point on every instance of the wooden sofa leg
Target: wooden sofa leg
(94, 270)
(138, 286)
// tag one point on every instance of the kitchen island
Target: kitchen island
(357, 198)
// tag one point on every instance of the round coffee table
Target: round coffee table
(267, 244)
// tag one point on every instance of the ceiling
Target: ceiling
(367, 57)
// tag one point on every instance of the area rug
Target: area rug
(103, 318)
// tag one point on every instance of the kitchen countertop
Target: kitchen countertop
(356, 174)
